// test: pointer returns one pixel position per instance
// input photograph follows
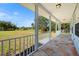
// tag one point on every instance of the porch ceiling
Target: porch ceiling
(64, 13)
(77, 14)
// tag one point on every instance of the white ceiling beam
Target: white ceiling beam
(75, 9)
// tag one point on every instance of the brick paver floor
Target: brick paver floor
(59, 46)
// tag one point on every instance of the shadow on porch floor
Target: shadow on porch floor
(59, 46)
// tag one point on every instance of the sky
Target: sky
(16, 14)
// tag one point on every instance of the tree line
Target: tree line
(9, 26)
(43, 25)
(6, 26)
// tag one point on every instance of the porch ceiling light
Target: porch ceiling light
(58, 5)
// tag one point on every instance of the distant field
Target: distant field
(17, 33)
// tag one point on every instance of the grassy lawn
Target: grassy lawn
(17, 33)
(12, 34)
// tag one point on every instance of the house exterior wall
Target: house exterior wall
(76, 43)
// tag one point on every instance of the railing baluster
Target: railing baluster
(20, 46)
(2, 50)
(15, 47)
(32, 42)
(9, 48)
(27, 44)
(24, 46)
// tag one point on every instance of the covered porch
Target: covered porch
(61, 44)
(50, 43)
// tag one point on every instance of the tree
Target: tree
(44, 24)
(53, 25)
(33, 26)
(6, 26)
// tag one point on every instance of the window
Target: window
(77, 29)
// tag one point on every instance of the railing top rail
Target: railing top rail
(19, 37)
(16, 37)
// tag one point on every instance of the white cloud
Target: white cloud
(16, 13)
(4, 16)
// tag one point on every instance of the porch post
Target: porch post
(56, 29)
(50, 27)
(36, 26)
(60, 27)
(70, 27)
(74, 25)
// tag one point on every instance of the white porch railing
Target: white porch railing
(17, 46)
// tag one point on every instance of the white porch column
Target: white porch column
(50, 27)
(60, 27)
(71, 28)
(74, 19)
(56, 28)
(36, 26)
(73, 25)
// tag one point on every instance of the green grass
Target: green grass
(18, 33)
(12, 34)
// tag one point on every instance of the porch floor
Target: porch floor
(59, 46)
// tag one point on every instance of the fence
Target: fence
(17, 46)
(21, 46)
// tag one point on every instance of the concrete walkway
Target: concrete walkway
(60, 46)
